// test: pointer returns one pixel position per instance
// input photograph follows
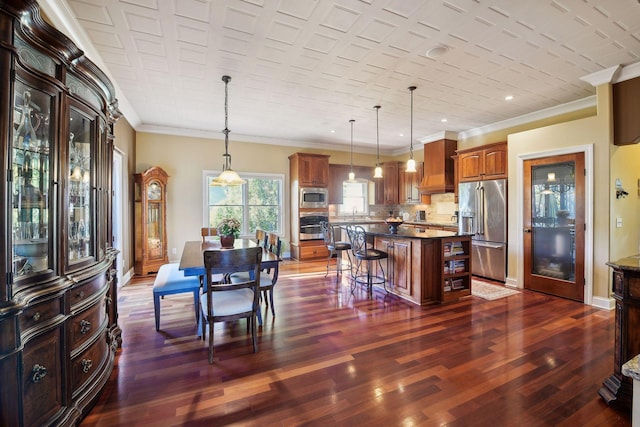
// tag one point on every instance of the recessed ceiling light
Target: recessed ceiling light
(444, 120)
(332, 131)
(400, 134)
(437, 52)
(508, 97)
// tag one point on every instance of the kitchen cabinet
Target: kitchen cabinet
(150, 201)
(456, 269)
(408, 183)
(617, 389)
(59, 293)
(438, 167)
(424, 267)
(626, 110)
(398, 265)
(387, 187)
(485, 162)
(311, 170)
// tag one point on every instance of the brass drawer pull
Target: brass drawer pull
(86, 365)
(36, 316)
(80, 294)
(38, 373)
(85, 326)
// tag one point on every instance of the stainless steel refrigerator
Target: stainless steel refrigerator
(482, 209)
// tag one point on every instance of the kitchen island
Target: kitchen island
(424, 266)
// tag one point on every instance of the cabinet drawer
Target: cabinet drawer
(42, 378)
(40, 313)
(307, 252)
(634, 286)
(86, 290)
(84, 324)
(87, 363)
(618, 283)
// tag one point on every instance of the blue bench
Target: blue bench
(170, 280)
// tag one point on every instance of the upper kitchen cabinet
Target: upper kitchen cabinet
(310, 170)
(626, 110)
(485, 162)
(387, 188)
(438, 167)
(58, 316)
(408, 183)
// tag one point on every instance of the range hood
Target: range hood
(439, 175)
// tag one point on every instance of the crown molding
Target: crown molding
(601, 77)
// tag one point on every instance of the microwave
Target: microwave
(314, 197)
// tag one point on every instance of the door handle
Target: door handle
(527, 230)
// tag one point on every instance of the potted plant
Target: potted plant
(228, 229)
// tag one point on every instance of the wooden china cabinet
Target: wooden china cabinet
(150, 218)
(58, 313)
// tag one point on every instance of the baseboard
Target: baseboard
(605, 303)
(511, 282)
(126, 277)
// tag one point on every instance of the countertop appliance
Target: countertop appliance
(483, 214)
(312, 197)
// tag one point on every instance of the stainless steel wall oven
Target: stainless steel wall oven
(310, 225)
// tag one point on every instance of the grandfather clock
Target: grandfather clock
(150, 220)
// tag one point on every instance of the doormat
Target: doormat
(490, 292)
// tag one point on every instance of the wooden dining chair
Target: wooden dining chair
(261, 237)
(208, 232)
(269, 276)
(231, 301)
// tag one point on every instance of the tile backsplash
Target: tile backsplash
(441, 209)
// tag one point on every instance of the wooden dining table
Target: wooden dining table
(192, 260)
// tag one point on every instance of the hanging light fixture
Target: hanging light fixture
(228, 175)
(352, 175)
(411, 164)
(378, 170)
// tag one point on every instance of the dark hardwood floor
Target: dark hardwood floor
(330, 357)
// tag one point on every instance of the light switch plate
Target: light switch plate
(618, 222)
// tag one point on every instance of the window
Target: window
(354, 198)
(258, 203)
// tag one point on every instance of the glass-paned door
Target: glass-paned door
(554, 225)
(31, 199)
(81, 228)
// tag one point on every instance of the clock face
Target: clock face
(154, 192)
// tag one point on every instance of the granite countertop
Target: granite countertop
(407, 232)
(365, 221)
(629, 263)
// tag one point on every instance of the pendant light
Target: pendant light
(352, 175)
(378, 170)
(228, 175)
(411, 164)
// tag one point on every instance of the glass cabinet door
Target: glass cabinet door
(31, 158)
(80, 226)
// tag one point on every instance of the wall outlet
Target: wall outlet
(173, 251)
(618, 222)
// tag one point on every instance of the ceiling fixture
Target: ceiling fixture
(411, 164)
(228, 175)
(352, 176)
(378, 170)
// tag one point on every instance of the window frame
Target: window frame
(245, 220)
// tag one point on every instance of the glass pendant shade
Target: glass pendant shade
(352, 176)
(377, 172)
(228, 175)
(411, 166)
